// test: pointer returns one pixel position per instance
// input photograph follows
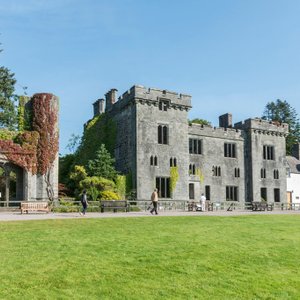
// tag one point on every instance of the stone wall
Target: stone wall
(139, 112)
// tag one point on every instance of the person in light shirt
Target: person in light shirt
(154, 199)
(202, 202)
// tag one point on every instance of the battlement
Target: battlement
(263, 125)
(217, 132)
(140, 93)
(153, 94)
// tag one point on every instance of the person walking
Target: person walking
(154, 199)
(84, 203)
(202, 202)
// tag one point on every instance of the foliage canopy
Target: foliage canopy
(8, 113)
(282, 112)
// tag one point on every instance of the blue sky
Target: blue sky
(231, 56)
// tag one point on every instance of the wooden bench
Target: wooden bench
(28, 206)
(261, 206)
(114, 205)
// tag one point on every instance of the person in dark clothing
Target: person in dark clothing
(84, 203)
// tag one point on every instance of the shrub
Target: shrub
(93, 192)
(109, 195)
(121, 185)
(99, 183)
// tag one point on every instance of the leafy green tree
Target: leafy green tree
(102, 165)
(76, 176)
(282, 112)
(200, 121)
(65, 165)
(8, 112)
(74, 142)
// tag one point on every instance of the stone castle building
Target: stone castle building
(245, 161)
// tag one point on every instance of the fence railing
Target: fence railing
(72, 205)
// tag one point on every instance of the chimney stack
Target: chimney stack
(225, 120)
(110, 98)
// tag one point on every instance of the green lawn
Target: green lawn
(248, 257)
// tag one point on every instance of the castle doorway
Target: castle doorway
(11, 185)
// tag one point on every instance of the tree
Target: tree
(199, 121)
(102, 165)
(74, 142)
(281, 111)
(8, 114)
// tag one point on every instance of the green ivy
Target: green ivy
(121, 185)
(200, 174)
(7, 134)
(174, 175)
(99, 130)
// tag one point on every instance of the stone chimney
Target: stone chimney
(110, 99)
(296, 151)
(225, 120)
(98, 107)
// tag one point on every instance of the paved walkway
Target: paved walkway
(16, 216)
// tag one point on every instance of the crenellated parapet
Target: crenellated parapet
(143, 95)
(217, 132)
(260, 126)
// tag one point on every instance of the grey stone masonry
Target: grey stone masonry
(265, 160)
(244, 162)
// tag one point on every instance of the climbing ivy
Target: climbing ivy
(22, 151)
(100, 130)
(200, 174)
(7, 134)
(24, 115)
(174, 175)
(121, 185)
(45, 122)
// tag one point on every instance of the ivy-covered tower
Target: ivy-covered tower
(29, 157)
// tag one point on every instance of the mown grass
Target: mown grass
(249, 257)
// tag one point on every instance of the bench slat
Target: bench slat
(34, 206)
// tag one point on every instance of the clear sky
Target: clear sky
(231, 56)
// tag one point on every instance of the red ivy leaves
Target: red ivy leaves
(22, 153)
(36, 150)
(45, 123)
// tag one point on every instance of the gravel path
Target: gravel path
(16, 216)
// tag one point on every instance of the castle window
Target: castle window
(192, 169)
(191, 191)
(162, 133)
(153, 160)
(268, 152)
(263, 194)
(163, 187)
(163, 105)
(276, 174)
(262, 173)
(195, 146)
(216, 171)
(229, 150)
(237, 172)
(276, 195)
(173, 162)
(232, 193)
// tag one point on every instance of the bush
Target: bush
(109, 195)
(99, 183)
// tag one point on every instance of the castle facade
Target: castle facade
(156, 144)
